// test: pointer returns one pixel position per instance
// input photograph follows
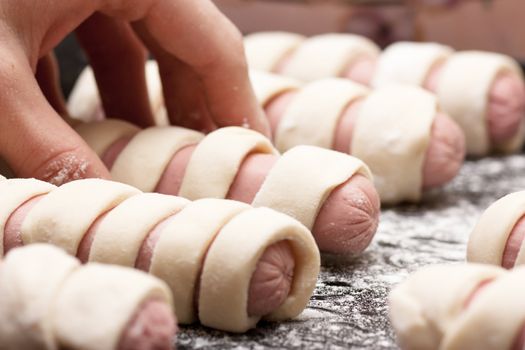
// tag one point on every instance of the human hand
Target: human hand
(200, 56)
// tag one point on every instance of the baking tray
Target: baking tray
(349, 307)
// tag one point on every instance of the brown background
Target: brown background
(471, 25)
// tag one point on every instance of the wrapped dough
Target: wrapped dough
(498, 238)
(459, 307)
(463, 82)
(49, 301)
(186, 244)
(298, 184)
(391, 134)
(307, 59)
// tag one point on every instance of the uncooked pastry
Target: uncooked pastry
(100, 135)
(409, 63)
(489, 238)
(268, 86)
(391, 135)
(328, 55)
(30, 280)
(101, 299)
(16, 192)
(266, 50)
(494, 318)
(426, 307)
(299, 182)
(118, 239)
(98, 196)
(463, 90)
(180, 252)
(190, 234)
(301, 123)
(144, 159)
(216, 161)
(242, 241)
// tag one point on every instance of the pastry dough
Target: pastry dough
(49, 301)
(313, 115)
(143, 161)
(65, 215)
(100, 135)
(303, 178)
(54, 220)
(118, 239)
(84, 102)
(266, 50)
(488, 240)
(328, 55)
(463, 90)
(268, 86)
(16, 192)
(30, 279)
(190, 234)
(409, 63)
(431, 303)
(217, 159)
(98, 301)
(495, 317)
(224, 295)
(391, 135)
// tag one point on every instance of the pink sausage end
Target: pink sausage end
(506, 105)
(152, 328)
(506, 108)
(445, 152)
(348, 218)
(272, 279)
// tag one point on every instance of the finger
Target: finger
(118, 59)
(47, 76)
(183, 91)
(212, 46)
(34, 140)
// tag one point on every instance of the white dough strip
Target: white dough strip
(100, 135)
(409, 63)
(303, 178)
(118, 239)
(241, 242)
(216, 161)
(89, 297)
(391, 135)
(489, 238)
(268, 86)
(463, 92)
(266, 50)
(64, 215)
(16, 192)
(328, 55)
(179, 253)
(145, 158)
(313, 115)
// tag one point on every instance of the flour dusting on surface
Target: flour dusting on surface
(349, 306)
